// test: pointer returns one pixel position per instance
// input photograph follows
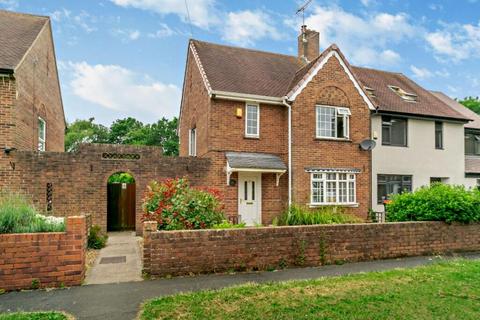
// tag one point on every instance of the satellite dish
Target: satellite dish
(368, 145)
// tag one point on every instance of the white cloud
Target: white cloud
(83, 20)
(421, 73)
(368, 3)
(202, 12)
(120, 89)
(455, 42)
(364, 39)
(127, 35)
(245, 27)
(9, 4)
(163, 32)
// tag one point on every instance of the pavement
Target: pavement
(119, 261)
(123, 300)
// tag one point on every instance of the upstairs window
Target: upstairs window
(42, 134)
(332, 122)
(438, 135)
(472, 144)
(394, 131)
(192, 149)
(252, 121)
(409, 97)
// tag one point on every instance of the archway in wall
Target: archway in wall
(121, 192)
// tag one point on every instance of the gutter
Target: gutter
(289, 107)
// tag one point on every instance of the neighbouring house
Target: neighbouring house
(283, 129)
(472, 141)
(31, 108)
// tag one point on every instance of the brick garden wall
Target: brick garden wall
(79, 179)
(205, 251)
(48, 259)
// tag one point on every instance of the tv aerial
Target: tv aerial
(302, 10)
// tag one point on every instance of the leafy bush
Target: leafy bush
(438, 202)
(17, 215)
(298, 215)
(96, 238)
(121, 177)
(228, 225)
(175, 205)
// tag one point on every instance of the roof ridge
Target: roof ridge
(24, 14)
(245, 49)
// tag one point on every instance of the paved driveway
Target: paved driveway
(122, 300)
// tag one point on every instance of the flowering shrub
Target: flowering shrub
(175, 205)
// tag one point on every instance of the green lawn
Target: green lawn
(447, 290)
(34, 316)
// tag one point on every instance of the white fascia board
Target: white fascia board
(246, 97)
(318, 67)
(201, 69)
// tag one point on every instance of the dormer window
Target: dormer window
(409, 97)
(370, 92)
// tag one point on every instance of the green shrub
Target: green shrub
(175, 205)
(298, 215)
(121, 177)
(17, 215)
(438, 202)
(96, 238)
(228, 225)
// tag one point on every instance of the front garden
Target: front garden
(441, 291)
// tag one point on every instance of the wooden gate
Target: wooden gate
(121, 206)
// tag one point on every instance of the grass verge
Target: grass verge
(447, 290)
(51, 315)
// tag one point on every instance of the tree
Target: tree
(125, 131)
(472, 103)
(84, 131)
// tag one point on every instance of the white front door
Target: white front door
(250, 197)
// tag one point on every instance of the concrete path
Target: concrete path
(122, 300)
(119, 261)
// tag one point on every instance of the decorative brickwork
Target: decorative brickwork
(205, 251)
(43, 260)
(76, 183)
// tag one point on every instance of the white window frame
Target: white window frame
(257, 134)
(192, 147)
(322, 178)
(42, 140)
(339, 111)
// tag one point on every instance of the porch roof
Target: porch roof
(249, 161)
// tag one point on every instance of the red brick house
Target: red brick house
(31, 109)
(279, 129)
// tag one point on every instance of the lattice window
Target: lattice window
(49, 194)
(120, 156)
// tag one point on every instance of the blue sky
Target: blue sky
(121, 58)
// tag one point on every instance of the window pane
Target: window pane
(325, 122)
(351, 192)
(342, 192)
(399, 132)
(245, 192)
(386, 134)
(438, 135)
(253, 190)
(331, 192)
(317, 192)
(388, 185)
(340, 127)
(252, 120)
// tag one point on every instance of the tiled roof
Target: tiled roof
(388, 101)
(245, 71)
(248, 160)
(17, 34)
(472, 164)
(475, 124)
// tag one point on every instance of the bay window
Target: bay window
(332, 122)
(332, 188)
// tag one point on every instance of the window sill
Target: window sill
(251, 137)
(394, 146)
(317, 205)
(333, 139)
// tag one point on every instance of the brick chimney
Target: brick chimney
(308, 44)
